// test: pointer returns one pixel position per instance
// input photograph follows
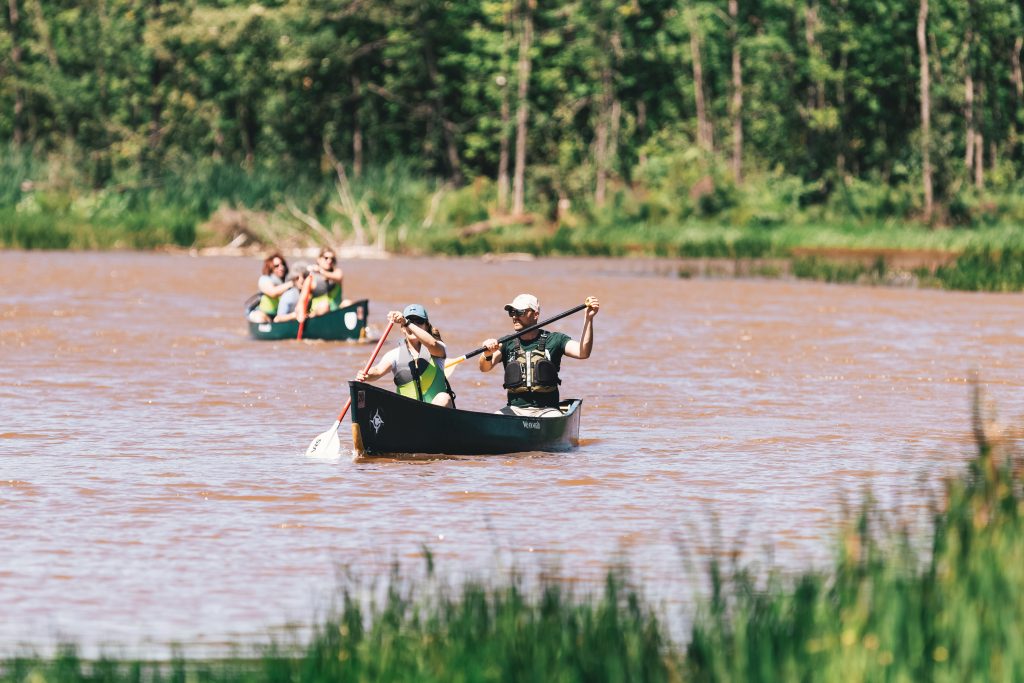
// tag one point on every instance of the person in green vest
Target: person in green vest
(272, 284)
(327, 283)
(417, 363)
(532, 361)
(288, 304)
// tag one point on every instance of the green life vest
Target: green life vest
(332, 295)
(268, 304)
(530, 371)
(531, 377)
(417, 377)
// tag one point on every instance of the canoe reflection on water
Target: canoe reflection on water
(387, 424)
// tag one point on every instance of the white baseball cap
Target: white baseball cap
(523, 302)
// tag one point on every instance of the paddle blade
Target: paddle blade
(326, 446)
(450, 366)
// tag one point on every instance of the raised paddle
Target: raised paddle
(301, 314)
(328, 444)
(449, 367)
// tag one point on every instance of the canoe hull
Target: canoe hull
(344, 324)
(385, 423)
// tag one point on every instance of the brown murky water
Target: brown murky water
(154, 488)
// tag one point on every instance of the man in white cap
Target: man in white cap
(533, 360)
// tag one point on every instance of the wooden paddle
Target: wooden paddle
(328, 444)
(301, 313)
(449, 367)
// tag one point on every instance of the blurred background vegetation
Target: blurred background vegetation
(701, 128)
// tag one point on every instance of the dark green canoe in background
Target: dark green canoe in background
(344, 324)
(385, 423)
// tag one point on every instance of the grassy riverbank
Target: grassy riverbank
(853, 235)
(893, 607)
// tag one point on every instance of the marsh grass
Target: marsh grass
(49, 204)
(894, 607)
(887, 612)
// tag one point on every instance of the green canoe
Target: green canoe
(385, 423)
(344, 324)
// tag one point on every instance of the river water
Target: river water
(154, 487)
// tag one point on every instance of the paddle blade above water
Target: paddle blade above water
(451, 366)
(326, 446)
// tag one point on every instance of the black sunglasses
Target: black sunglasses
(413, 320)
(517, 313)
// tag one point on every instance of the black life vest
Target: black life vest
(530, 371)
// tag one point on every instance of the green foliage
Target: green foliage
(986, 269)
(863, 200)
(829, 93)
(228, 102)
(884, 612)
(814, 268)
(33, 231)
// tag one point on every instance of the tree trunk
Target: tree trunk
(245, 134)
(43, 29)
(357, 128)
(968, 102)
(447, 127)
(506, 119)
(1018, 88)
(816, 98)
(641, 124)
(522, 111)
(705, 137)
(979, 167)
(153, 133)
(844, 61)
(1018, 78)
(605, 146)
(601, 137)
(506, 122)
(736, 103)
(926, 163)
(18, 133)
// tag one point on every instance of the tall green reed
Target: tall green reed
(884, 613)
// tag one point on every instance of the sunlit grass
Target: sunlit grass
(48, 205)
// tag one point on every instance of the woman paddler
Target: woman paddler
(417, 363)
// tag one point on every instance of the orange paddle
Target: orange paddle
(302, 313)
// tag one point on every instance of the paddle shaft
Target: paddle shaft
(526, 330)
(369, 364)
(302, 314)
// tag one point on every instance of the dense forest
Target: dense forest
(647, 110)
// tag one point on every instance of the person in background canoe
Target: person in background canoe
(288, 304)
(272, 284)
(532, 361)
(417, 363)
(327, 284)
